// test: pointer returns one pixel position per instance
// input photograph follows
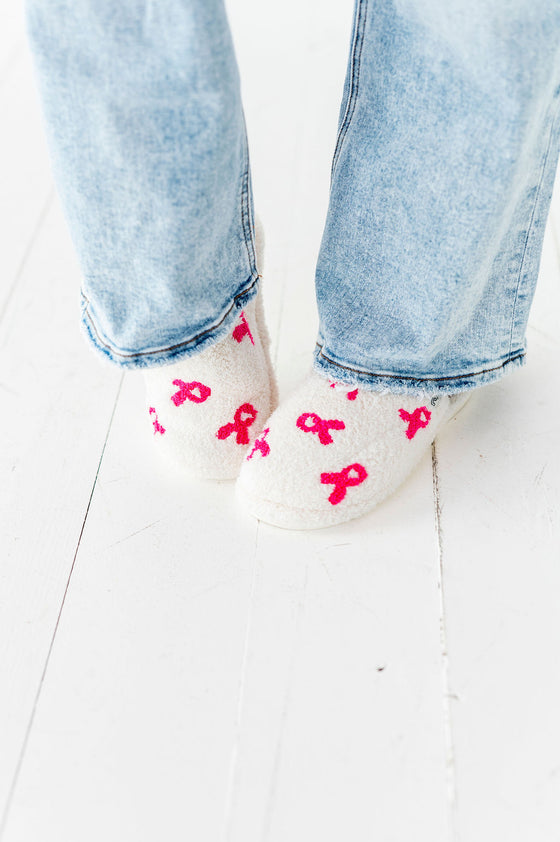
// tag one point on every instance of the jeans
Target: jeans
(441, 182)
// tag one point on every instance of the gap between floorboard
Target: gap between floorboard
(5, 817)
(446, 693)
(4, 306)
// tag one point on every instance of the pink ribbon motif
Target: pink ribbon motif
(261, 445)
(157, 426)
(343, 480)
(350, 395)
(243, 330)
(240, 424)
(415, 420)
(320, 426)
(187, 392)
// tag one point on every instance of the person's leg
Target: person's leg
(441, 183)
(146, 130)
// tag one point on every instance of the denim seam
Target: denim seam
(169, 347)
(419, 379)
(245, 209)
(355, 62)
(531, 221)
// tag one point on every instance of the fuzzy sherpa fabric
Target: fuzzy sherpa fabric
(206, 410)
(332, 452)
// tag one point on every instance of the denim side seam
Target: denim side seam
(164, 356)
(405, 384)
(247, 222)
(530, 227)
(353, 86)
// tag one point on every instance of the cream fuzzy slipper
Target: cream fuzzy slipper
(206, 410)
(332, 452)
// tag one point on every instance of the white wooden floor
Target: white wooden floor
(172, 670)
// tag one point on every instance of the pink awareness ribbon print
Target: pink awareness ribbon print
(415, 420)
(350, 395)
(157, 426)
(244, 416)
(347, 478)
(195, 392)
(261, 445)
(319, 425)
(242, 330)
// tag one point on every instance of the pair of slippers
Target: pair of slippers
(329, 453)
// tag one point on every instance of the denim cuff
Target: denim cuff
(151, 357)
(404, 384)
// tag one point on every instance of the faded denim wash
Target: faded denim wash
(441, 181)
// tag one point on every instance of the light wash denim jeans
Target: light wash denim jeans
(441, 181)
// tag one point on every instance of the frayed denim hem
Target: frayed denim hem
(164, 356)
(406, 385)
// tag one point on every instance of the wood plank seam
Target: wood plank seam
(450, 771)
(5, 815)
(270, 801)
(27, 252)
(231, 785)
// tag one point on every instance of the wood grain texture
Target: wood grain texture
(57, 403)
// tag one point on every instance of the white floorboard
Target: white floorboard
(12, 39)
(342, 733)
(500, 485)
(25, 181)
(500, 490)
(57, 402)
(139, 703)
(170, 668)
